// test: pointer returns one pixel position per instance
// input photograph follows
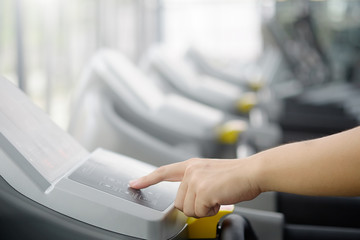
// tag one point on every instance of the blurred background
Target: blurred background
(45, 44)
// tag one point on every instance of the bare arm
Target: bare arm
(324, 166)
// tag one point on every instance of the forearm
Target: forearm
(325, 166)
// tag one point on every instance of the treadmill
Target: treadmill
(121, 96)
(179, 74)
(247, 76)
(52, 188)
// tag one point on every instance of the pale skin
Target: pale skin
(328, 166)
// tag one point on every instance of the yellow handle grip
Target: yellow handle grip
(229, 132)
(246, 102)
(200, 228)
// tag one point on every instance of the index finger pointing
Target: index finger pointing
(173, 172)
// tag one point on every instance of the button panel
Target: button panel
(114, 178)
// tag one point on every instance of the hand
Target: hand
(206, 183)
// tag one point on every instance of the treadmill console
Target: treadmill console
(109, 176)
(45, 164)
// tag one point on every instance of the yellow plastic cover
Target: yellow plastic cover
(201, 228)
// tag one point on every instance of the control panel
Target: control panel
(47, 166)
(112, 176)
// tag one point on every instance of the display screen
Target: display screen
(48, 148)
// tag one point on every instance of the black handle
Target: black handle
(236, 227)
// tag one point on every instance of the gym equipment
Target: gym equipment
(48, 167)
(237, 227)
(163, 124)
(178, 73)
(247, 76)
(52, 188)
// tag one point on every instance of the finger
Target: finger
(180, 196)
(214, 210)
(189, 203)
(173, 172)
(203, 210)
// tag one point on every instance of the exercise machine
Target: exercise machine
(52, 188)
(179, 73)
(116, 96)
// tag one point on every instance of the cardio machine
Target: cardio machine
(178, 72)
(247, 76)
(52, 188)
(115, 97)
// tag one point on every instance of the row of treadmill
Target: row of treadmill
(128, 118)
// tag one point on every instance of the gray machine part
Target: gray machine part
(22, 218)
(269, 70)
(260, 71)
(172, 119)
(265, 201)
(266, 224)
(179, 75)
(207, 68)
(101, 126)
(47, 166)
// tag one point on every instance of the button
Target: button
(111, 179)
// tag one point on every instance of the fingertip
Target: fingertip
(134, 183)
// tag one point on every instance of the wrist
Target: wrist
(248, 172)
(260, 173)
